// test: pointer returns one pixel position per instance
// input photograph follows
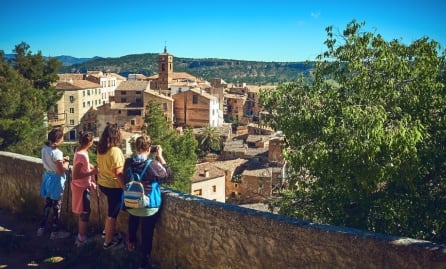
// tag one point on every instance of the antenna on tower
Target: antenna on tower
(165, 46)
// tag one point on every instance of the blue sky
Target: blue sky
(262, 30)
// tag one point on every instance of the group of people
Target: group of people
(111, 179)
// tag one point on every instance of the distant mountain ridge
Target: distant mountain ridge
(70, 60)
(65, 59)
(232, 71)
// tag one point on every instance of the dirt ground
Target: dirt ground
(20, 247)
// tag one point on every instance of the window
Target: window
(123, 100)
(132, 122)
(138, 92)
(71, 122)
(197, 192)
(88, 92)
(214, 188)
(260, 191)
(195, 99)
(71, 110)
(83, 104)
(134, 112)
(71, 98)
(138, 100)
(164, 107)
(123, 93)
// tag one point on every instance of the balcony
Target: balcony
(197, 233)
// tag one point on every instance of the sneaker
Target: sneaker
(117, 235)
(80, 243)
(40, 231)
(59, 235)
(113, 244)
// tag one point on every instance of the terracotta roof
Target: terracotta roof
(235, 146)
(203, 93)
(175, 75)
(133, 85)
(70, 76)
(235, 96)
(230, 165)
(76, 85)
(179, 75)
(117, 76)
(257, 138)
(159, 95)
(137, 76)
(199, 174)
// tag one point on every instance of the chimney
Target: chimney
(206, 172)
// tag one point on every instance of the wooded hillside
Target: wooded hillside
(231, 71)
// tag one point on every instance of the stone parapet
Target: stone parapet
(198, 233)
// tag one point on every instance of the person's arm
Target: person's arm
(119, 176)
(78, 174)
(159, 155)
(62, 165)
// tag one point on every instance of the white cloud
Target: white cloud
(315, 14)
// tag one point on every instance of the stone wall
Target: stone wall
(198, 233)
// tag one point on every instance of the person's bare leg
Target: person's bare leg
(110, 224)
(82, 228)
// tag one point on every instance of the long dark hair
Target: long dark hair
(111, 137)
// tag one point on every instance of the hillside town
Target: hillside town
(250, 168)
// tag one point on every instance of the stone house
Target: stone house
(79, 98)
(234, 104)
(165, 101)
(208, 182)
(196, 108)
(108, 81)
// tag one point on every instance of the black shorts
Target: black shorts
(114, 200)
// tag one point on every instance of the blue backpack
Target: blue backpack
(137, 202)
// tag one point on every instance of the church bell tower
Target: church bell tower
(165, 70)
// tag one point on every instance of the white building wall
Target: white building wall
(212, 189)
(214, 113)
(109, 85)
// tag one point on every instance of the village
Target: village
(250, 169)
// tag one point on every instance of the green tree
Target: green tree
(26, 94)
(179, 150)
(209, 140)
(366, 138)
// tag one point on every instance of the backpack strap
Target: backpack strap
(148, 161)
